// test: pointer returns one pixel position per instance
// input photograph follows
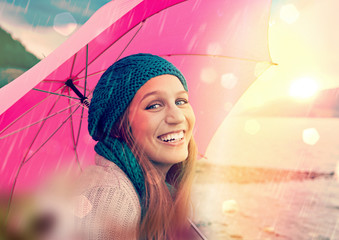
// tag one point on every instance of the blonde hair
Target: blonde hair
(164, 212)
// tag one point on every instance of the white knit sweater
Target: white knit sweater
(107, 205)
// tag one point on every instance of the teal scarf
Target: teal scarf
(119, 153)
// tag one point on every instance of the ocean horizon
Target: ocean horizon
(263, 204)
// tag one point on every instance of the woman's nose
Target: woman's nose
(174, 115)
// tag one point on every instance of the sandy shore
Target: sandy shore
(211, 173)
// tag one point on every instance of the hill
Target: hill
(14, 58)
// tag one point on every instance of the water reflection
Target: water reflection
(273, 184)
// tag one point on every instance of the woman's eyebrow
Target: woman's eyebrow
(157, 92)
(182, 92)
(149, 94)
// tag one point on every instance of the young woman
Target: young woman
(140, 186)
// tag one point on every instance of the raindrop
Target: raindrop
(161, 28)
(310, 136)
(7, 157)
(208, 75)
(289, 13)
(26, 8)
(230, 207)
(229, 80)
(64, 23)
(252, 126)
(214, 49)
(192, 43)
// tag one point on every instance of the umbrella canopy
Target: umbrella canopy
(220, 46)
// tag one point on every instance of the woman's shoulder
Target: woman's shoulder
(106, 200)
(106, 181)
(105, 175)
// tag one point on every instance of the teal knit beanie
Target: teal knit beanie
(118, 85)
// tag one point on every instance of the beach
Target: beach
(256, 198)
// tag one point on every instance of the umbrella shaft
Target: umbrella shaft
(83, 99)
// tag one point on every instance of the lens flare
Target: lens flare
(64, 23)
(252, 126)
(303, 88)
(208, 75)
(310, 136)
(229, 80)
(289, 13)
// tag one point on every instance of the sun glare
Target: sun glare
(289, 13)
(303, 88)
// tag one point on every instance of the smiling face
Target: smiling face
(162, 121)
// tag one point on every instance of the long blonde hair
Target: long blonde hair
(164, 211)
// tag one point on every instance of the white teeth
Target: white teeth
(173, 137)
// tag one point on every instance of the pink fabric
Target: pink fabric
(235, 29)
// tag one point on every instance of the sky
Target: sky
(301, 41)
(304, 44)
(42, 25)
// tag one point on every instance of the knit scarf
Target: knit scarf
(119, 153)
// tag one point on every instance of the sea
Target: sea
(306, 209)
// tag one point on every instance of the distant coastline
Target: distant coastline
(325, 104)
(214, 173)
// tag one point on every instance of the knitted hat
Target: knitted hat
(118, 85)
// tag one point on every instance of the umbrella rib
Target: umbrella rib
(32, 124)
(75, 56)
(212, 55)
(72, 132)
(129, 42)
(51, 135)
(142, 22)
(90, 75)
(58, 94)
(187, 54)
(25, 113)
(24, 160)
(114, 43)
(80, 125)
(86, 70)
(41, 126)
(12, 189)
(53, 80)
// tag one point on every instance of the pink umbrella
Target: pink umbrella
(220, 46)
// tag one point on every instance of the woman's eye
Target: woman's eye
(181, 102)
(153, 106)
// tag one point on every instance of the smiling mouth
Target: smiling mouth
(172, 137)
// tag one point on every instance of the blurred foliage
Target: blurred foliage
(14, 58)
(13, 54)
